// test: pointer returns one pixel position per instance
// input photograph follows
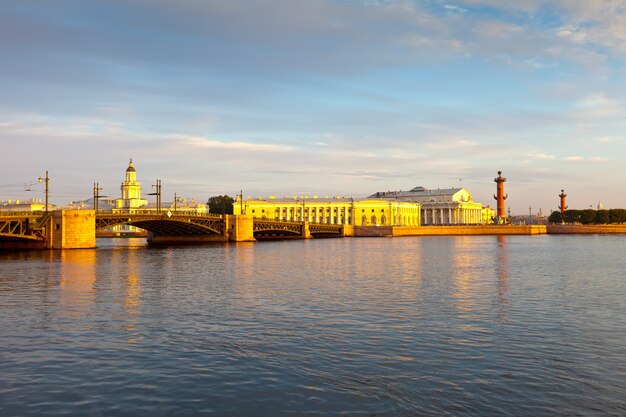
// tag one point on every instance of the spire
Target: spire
(130, 168)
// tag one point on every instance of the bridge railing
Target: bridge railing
(267, 219)
(161, 213)
(21, 213)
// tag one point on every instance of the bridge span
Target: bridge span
(64, 229)
(193, 227)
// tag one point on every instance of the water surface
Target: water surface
(472, 326)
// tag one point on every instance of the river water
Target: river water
(433, 326)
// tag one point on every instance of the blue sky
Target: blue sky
(303, 97)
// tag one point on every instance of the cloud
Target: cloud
(446, 144)
(454, 8)
(609, 139)
(592, 159)
(197, 142)
(600, 105)
(541, 156)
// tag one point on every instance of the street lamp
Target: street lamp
(176, 200)
(47, 180)
(157, 193)
(96, 195)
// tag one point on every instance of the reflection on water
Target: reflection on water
(77, 280)
(463, 325)
(502, 273)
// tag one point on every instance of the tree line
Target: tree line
(221, 204)
(589, 216)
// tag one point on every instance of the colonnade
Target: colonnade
(451, 215)
(350, 212)
(315, 214)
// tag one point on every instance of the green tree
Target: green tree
(602, 217)
(221, 204)
(571, 216)
(555, 217)
(587, 216)
(617, 215)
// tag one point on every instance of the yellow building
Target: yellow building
(23, 205)
(131, 198)
(334, 210)
(446, 206)
(131, 191)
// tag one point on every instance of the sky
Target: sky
(315, 97)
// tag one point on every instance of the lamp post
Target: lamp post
(176, 199)
(157, 193)
(47, 180)
(96, 195)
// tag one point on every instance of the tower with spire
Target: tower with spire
(131, 190)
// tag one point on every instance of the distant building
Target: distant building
(445, 206)
(23, 205)
(333, 210)
(131, 191)
(131, 198)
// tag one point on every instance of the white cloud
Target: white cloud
(541, 155)
(599, 105)
(450, 144)
(591, 159)
(608, 139)
(454, 8)
(572, 33)
(199, 142)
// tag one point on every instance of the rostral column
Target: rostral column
(500, 197)
(563, 206)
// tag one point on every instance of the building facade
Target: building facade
(335, 210)
(447, 206)
(131, 191)
(23, 205)
(131, 198)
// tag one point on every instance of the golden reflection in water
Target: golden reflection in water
(409, 261)
(502, 272)
(244, 259)
(463, 263)
(132, 298)
(78, 276)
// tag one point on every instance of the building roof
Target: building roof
(418, 191)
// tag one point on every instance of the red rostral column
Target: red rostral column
(500, 197)
(563, 206)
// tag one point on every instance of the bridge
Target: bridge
(17, 228)
(77, 228)
(189, 226)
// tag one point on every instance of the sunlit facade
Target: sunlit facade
(447, 206)
(131, 191)
(22, 205)
(131, 198)
(334, 210)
